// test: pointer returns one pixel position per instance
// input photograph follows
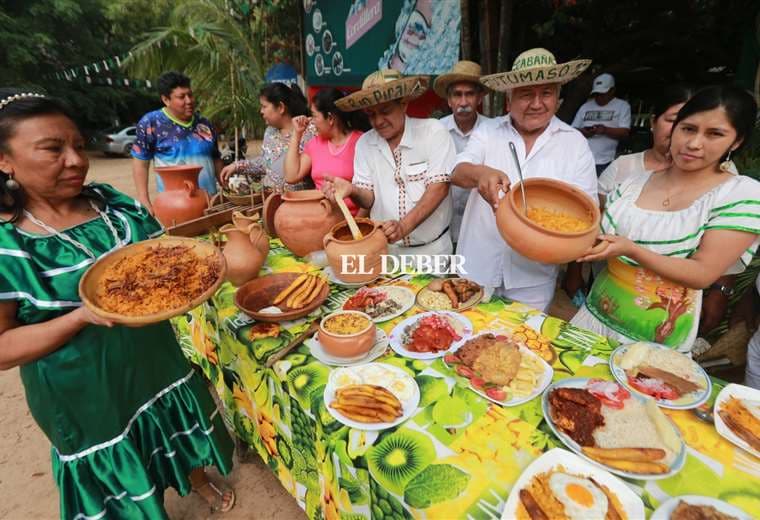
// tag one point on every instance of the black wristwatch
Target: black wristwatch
(724, 290)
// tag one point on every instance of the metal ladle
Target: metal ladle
(519, 172)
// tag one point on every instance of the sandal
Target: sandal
(217, 503)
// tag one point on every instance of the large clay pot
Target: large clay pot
(538, 243)
(369, 248)
(244, 251)
(301, 219)
(182, 199)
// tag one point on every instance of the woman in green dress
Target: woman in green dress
(126, 414)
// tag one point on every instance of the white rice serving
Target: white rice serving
(630, 427)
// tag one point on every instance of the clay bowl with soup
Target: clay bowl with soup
(346, 334)
(561, 224)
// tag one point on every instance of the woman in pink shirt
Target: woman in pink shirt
(331, 152)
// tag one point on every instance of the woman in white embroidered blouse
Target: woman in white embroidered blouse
(668, 236)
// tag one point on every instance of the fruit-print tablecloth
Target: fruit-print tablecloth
(458, 456)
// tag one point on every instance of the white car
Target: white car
(116, 141)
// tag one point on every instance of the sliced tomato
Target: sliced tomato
(496, 393)
(465, 371)
(501, 337)
(477, 382)
(654, 387)
(608, 392)
(451, 359)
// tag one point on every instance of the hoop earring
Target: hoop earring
(727, 165)
(12, 184)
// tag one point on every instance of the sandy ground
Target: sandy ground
(27, 490)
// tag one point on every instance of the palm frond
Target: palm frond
(223, 54)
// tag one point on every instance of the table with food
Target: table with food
(408, 395)
(397, 404)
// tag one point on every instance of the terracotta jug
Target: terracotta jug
(241, 220)
(182, 199)
(245, 251)
(369, 248)
(259, 238)
(301, 220)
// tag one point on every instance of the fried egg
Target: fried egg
(579, 496)
(344, 377)
(375, 375)
(402, 387)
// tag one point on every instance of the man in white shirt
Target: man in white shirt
(604, 120)
(462, 90)
(402, 167)
(546, 147)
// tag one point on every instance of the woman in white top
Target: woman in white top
(654, 159)
(657, 157)
(668, 236)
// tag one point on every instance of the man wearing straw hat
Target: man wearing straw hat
(402, 166)
(463, 91)
(546, 147)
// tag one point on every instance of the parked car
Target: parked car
(115, 141)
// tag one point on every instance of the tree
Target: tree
(41, 37)
(225, 47)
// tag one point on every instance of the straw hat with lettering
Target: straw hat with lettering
(461, 71)
(383, 86)
(535, 67)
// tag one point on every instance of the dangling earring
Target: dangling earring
(12, 184)
(727, 165)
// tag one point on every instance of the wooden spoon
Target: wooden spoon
(355, 232)
(313, 327)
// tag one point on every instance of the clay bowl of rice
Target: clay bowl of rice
(561, 223)
(347, 334)
(152, 281)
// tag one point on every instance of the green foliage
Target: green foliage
(748, 159)
(40, 37)
(225, 51)
(224, 45)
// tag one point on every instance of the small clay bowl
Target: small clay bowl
(347, 345)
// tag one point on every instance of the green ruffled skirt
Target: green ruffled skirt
(175, 432)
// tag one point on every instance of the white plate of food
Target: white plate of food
(625, 433)
(373, 396)
(377, 350)
(429, 335)
(737, 417)
(450, 294)
(561, 484)
(381, 303)
(696, 506)
(669, 377)
(337, 281)
(499, 368)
